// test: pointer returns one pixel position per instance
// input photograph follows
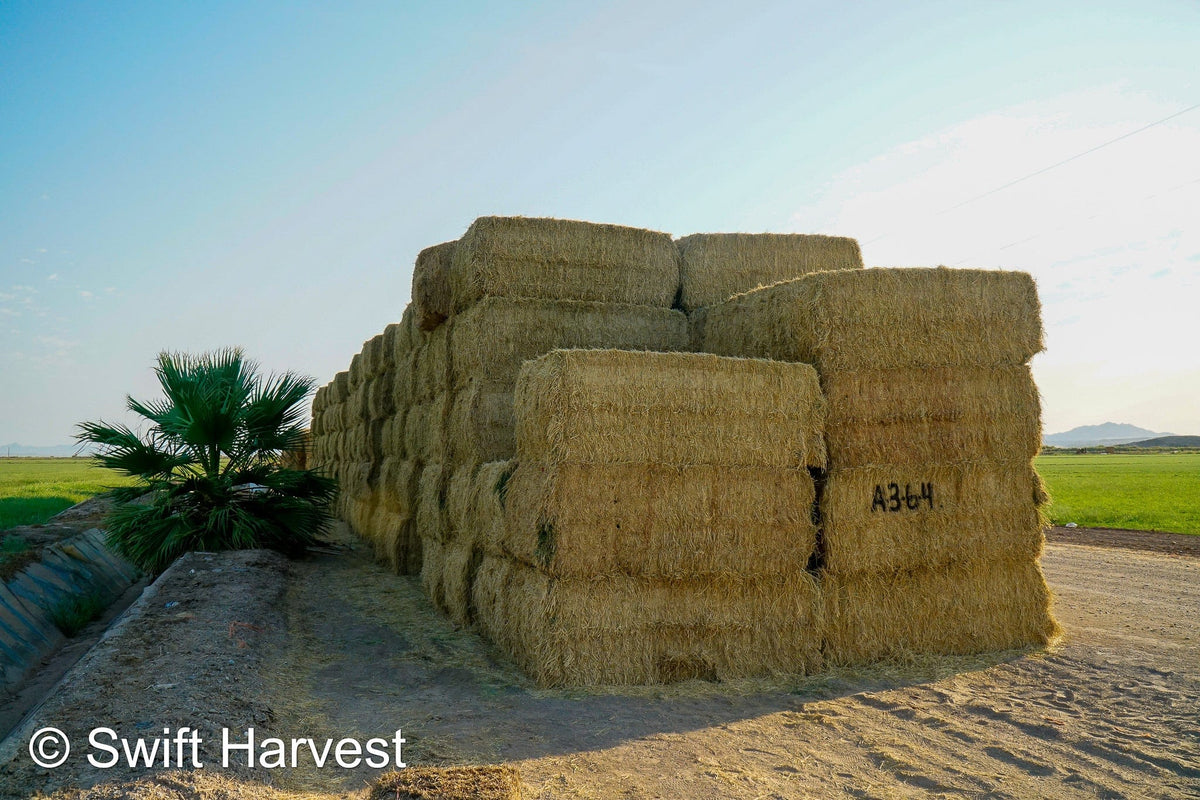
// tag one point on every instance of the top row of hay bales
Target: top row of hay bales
(550, 259)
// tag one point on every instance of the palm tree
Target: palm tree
(209, 467)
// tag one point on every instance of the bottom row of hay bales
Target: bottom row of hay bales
(630, 543)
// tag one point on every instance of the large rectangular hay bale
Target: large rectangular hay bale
(460, 561)
(482, 426)
(970, 608)
(492, 339)
(425, 430)
(715, 266)
(341, 386)
(432, 366)
(886, 518)
(636, 631)
(555, 259)
(431, 301)
(431, 503)
(489, 496)
(654, 520)
(614, 406)
(884, 319)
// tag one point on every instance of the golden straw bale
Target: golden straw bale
(696, 320)
(320, 398)
(491, 782)
(613, 406)
(458, 501)
(1012, 437)
(380, 397)
(341, 386)
(556, 259)
(879, 519)
(433, 571)
(356, 371)
(425, 430)
(431, 503)
(459, 564)
(433, 365)
(404, 381)
(492, 339)
(884, 319)
(715, 266)
(372, 357)
(391, 333)
(431, 285)
(489, 494)
(969, 608)
(635, 631)
(659, 520)
(393, 436)
(482, 425)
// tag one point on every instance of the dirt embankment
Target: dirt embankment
(352, 651)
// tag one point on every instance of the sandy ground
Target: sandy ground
(1112, 711)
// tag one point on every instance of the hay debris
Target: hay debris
(884, 319)
(431, 301)
(655, 520)
(449, 783)
(493, 338)
(715, 266)
(614, 406)
(554, 259)
(968, 608)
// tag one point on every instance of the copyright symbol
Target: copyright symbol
(49, 748)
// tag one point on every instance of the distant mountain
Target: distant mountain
(52, 451)
(1108, 433)
(1169, 441)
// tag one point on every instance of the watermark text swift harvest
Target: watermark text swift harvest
(181, 748)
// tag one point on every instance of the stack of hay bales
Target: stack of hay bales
(518, 288)
(931, 527)
(715, 266)
(658, 524)
(358, 438)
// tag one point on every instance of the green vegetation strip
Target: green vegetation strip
(34, 489)
(1151, 492)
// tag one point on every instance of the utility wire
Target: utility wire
(1056, 165)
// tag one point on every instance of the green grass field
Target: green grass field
(34, 489)
(1151, 492)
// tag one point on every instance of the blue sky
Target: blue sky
(188, 176)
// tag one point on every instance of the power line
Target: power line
(1044, 170)
(1089, 151)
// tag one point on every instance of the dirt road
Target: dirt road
(1111, 712)
(352, 651)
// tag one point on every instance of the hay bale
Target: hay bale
(431, 504)
(391, 333)
(380, 397)
(554, 259)
(623, 630)
(614, 406)
(425, 429)
(393, 436)
(969, 608)
(341, 386)
(458, 502)
(397, 542)
(356, 371)
(482, 425)
(460, 561)
(493, 339)
(715, 266)
(431, 301)
(489, 494)
(404, 381)
(884, 319)
(493, 782)
(432, 376)
(884, 518)
(372, 357)
(696, 319)
(433, 572)
(654, 520)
